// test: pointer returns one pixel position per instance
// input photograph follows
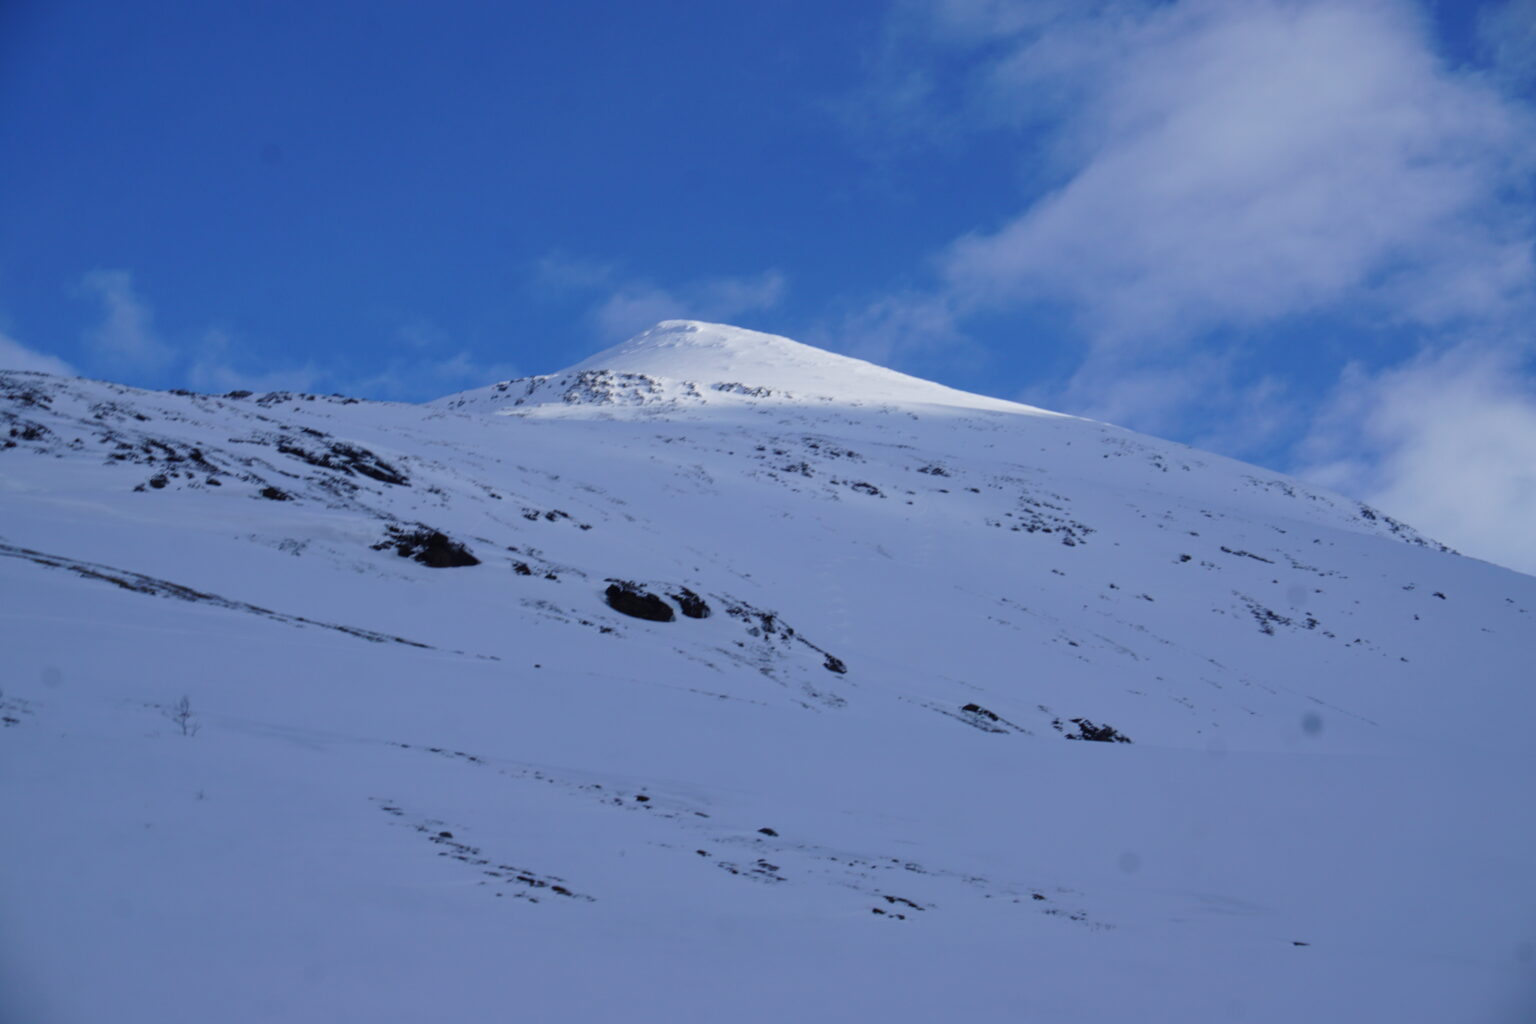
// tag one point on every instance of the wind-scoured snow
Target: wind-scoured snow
(721, 677)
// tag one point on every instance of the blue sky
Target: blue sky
(1293, 231)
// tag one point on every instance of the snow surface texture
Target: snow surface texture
(722, 678)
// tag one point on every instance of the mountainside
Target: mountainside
(720, 677)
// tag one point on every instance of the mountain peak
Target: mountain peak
(693, 360)
(708, 353)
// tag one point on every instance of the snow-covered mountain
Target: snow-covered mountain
(719, 677)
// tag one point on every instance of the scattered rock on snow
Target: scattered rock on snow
(1088, 730)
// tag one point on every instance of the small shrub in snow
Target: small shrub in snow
(181, 714)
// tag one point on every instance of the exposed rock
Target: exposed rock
(430, 547)
(328, 453)
(635, 601)
(1088, 730)
(692, 604)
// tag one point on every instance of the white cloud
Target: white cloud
(1447, 444)
(16, 356)
(1222, 167)
(125, 338)
(1239, 163)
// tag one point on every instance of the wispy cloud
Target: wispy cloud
(419, 376)
(902, 325)
(125, 343)
(16, 356)
(418, 361)
(219, 363)
(124, 338)
(423, 360)
(1507, 32)
(1237, 412)
(620, 305)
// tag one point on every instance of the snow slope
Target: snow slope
(684, 361)
(857, 788)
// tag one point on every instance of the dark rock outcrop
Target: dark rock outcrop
(1088, 730)
(325, 452)
(635, 601)
(692, 604)
(430, 547)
